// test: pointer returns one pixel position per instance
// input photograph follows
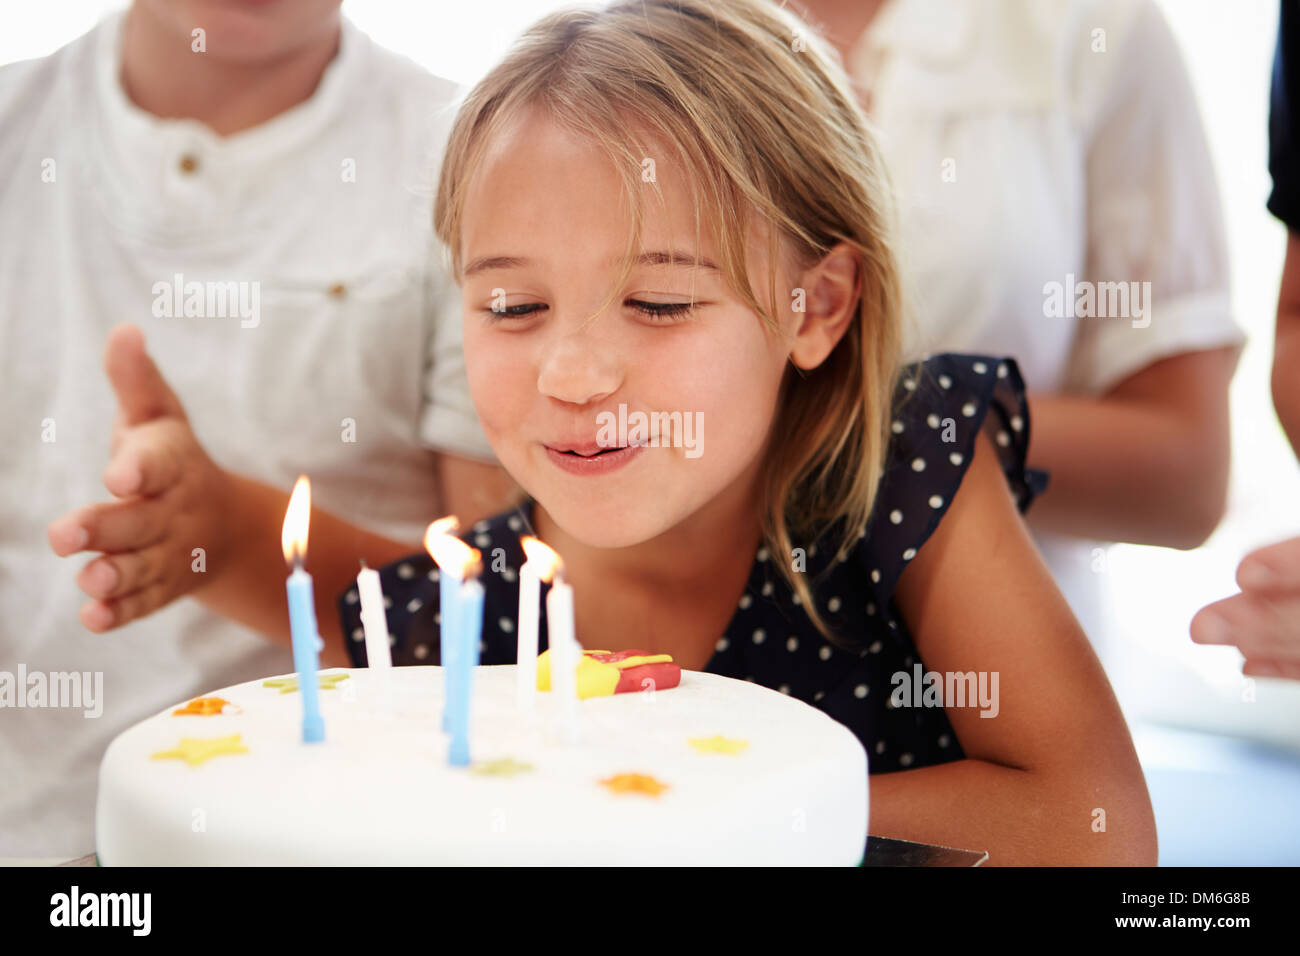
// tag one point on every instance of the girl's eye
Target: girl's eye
(659, 312)
(662, 311)
(513, 311)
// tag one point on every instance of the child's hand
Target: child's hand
(1263, 621)
(172, 499)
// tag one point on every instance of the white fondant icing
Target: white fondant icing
(379, 791)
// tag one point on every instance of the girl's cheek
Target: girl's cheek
(501, 384)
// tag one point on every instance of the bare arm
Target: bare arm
(173, 499)
(1145, 463)
(978, 598)
(244, 578)
(1286, 346)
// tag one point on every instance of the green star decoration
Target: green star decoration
(288, 685)
(505, 767)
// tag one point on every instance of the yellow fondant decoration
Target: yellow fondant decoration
(594, 678)
(717, 744)
(635, 783)
(288, 685)
(204, 707)
(197, 750)
(505, 767)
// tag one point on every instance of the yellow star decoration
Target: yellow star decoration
(505, 767)
(288, 685)
(634, 783)
(717, 744)
(196, 750)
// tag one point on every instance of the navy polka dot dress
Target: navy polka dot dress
(942, 405)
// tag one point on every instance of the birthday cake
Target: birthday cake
(713, 771)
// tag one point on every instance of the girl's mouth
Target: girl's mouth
(592, 460)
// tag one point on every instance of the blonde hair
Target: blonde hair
(761, 117)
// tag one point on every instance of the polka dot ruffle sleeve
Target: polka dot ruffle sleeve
(942, 406)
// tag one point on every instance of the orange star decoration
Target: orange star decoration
(197, 750)
(634, 783)
(717, 744)
(288, 685)
(204, 707)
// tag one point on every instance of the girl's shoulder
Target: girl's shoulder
(941, 406)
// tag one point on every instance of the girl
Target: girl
(676, 207)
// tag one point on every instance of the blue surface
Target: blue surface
(1221, 801)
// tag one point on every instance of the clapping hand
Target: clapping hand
(171, 499)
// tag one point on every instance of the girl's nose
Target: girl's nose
(579, 367)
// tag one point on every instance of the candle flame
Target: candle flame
(548, 562)
(451, 554)
(293, 536)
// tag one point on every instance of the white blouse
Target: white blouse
(1040, 148)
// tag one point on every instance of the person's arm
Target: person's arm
(1147, 462)
(472, 490)
(172, 499)
(1136, 439)
(1286, 345)
(183, 526)
(1052, 778)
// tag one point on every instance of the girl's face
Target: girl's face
(544, 227)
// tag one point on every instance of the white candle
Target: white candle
(530, 590)
(565, 653)
(379, 655)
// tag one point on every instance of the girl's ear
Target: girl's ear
(832, 290)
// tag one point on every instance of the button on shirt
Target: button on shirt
(111, 214)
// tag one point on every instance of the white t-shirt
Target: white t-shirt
(1041, 142)
(338, 355)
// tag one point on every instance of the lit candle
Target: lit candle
(379, 655)
(460, 633)
(302, 609)
(540, 564)
(448, 601)
(565, 653)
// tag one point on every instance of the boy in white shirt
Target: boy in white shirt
(251, 186)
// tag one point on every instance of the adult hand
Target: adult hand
(1263, 621)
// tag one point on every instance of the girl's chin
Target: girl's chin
(621, 521)
(603, 526)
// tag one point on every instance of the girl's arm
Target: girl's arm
(1052, 778)
(1146, 463)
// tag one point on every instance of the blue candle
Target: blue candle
(306, 647)
(302, 610)
(468, 627)
(461, 615)
(448, 599)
